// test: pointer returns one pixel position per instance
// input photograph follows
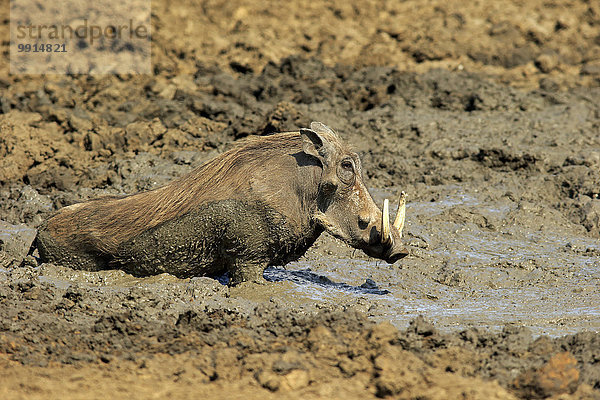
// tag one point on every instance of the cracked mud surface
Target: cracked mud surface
(496, 141)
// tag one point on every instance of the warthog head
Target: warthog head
(345, 208)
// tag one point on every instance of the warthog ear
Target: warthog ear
(322, 128)
(316, 145)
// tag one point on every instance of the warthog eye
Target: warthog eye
(346, 171)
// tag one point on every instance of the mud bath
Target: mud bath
(497, 142)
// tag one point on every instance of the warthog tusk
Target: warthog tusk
(401, 213)
(385, 223)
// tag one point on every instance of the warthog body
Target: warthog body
(262, 203)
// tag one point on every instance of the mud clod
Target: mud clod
(557, 376)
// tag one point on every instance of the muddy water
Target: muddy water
(475, 277)
(459, 275)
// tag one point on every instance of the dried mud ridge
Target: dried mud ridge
(281, 349)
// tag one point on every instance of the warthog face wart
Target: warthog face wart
(262, 203)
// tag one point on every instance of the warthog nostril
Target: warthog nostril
(364, 221)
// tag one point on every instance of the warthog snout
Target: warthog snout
(384, 240)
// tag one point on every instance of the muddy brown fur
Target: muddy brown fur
(262, 203)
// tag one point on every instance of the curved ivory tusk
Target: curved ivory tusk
(385, 223)
(401, 213)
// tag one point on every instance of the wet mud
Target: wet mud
(496, 141)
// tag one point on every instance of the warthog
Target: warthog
(263, 203)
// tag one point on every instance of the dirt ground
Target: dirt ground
(486, 113)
